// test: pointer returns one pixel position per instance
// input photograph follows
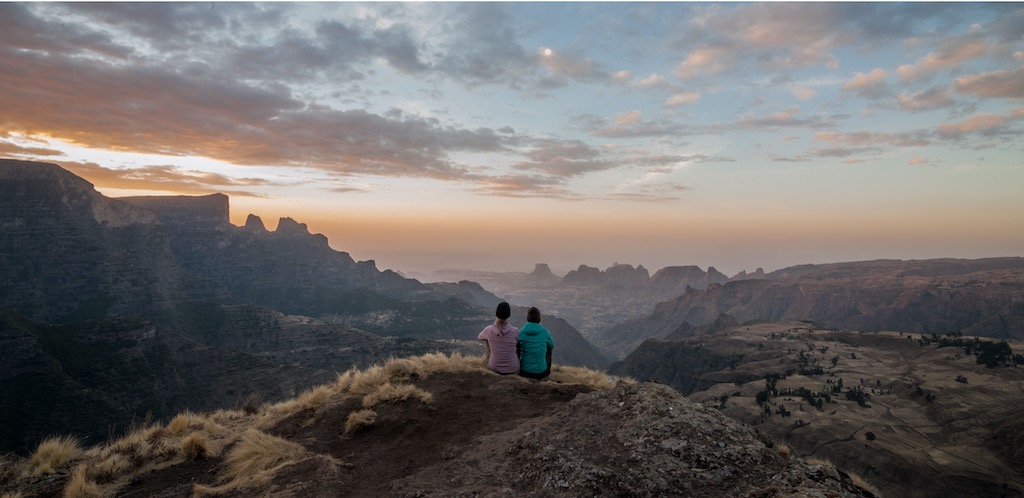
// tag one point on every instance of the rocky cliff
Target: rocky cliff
(281, 303)
(976, 297)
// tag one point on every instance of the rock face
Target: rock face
(186, 212)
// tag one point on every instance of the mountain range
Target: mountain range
(144, 306)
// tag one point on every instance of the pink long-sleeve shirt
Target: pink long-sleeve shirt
(503, 349)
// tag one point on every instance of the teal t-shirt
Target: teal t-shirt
(534, 341)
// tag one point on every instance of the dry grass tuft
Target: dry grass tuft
(861, 483)
(584, 376)
(79, 486)
(110, 468)
(194, 447)
(181, 423)
(316, 397)
(363, 382)
(257, 456)
(251, 404)
(11, 494)
(359, 419)
(52, 453)
(783, 449)
(395, 392)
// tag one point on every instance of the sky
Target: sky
(494, 136)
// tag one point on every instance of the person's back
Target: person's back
(535, 347)
(501, 339)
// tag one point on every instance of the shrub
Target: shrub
(870, 436)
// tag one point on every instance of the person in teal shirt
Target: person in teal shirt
(534, 347)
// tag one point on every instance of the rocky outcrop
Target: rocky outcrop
(674, 280)
(584, 275)
(617, 275)
(466, 432)
(254, 223)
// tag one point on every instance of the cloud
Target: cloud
(483, 46)
(20, 27)
(706, 61)
(161, 111)
(984, 124)
(564, 159)
(164, 178)
(953, 53)
(925, 100)
(633, 126)
(914, 161)
(802, 92)
(653, 80)
(11, 149)
(1006, 83)
(573, 66)
(776, 37)
(523, 186)
(684, 98)
(870, 85)
(875, 139)
(788, 118)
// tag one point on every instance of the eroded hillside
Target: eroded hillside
(916, 414)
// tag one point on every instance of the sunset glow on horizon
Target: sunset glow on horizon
(493, 136)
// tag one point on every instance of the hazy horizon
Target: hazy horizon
(493, 136)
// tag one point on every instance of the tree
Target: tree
(870, 436)
(961, 379)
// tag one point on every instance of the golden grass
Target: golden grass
(585, 376)
(79, 486)
(257, 456)
(52, 453)
(194, 447)
(395, 392)
(316, 397)
(861, 483)
(11, 494)
(783, 449)
(181, 423)
(359, 419)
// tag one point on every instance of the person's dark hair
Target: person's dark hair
(533, 315)
(504, 311)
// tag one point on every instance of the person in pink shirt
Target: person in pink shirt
(501, 339)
